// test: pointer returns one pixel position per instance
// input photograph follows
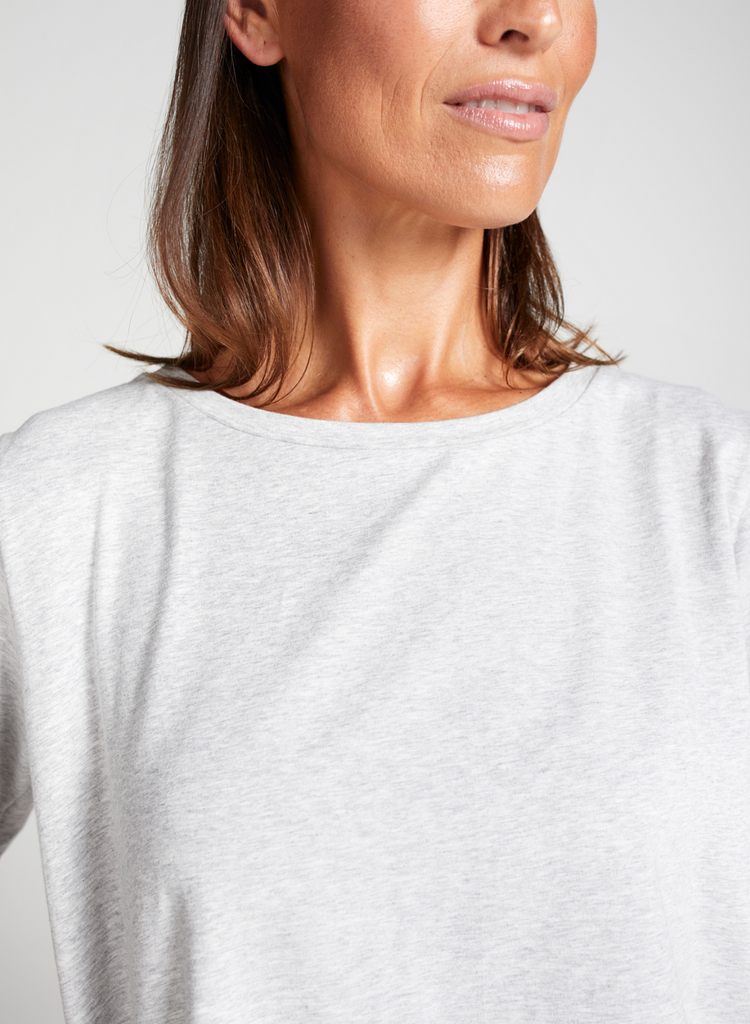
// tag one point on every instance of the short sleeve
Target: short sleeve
(15, 782)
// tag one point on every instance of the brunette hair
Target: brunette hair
(230, 249)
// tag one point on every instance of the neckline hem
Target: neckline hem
(551, 401)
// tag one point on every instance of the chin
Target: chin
(487, 205)
(486, 216)
(491, 219)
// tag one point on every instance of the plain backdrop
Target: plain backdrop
(647, 215)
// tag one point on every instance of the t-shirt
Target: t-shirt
(384, 723)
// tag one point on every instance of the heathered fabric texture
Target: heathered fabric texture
(403, 723)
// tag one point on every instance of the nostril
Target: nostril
(514, 32)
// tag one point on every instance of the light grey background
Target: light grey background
(647, 213)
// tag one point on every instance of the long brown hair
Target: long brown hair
(230, 247)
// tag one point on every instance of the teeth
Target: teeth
(509, 105)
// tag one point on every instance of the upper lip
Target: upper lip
(536, 93)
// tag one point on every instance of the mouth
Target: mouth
(510, 109)
(511, 95)
(509, 105)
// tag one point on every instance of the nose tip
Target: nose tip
(534, 23)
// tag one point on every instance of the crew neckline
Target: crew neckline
(558, 396)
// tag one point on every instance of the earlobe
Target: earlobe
(250, 26)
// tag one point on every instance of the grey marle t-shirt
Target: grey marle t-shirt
(384, 723)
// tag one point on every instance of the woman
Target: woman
(383, 657)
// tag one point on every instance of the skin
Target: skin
(398, 192)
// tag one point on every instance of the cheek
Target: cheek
(336, 55)
(356, 68)
(577, 45)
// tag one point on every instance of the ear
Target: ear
(250, 25)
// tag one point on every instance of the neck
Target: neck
(399, 330)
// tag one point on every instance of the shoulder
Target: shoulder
(675, 411)
(70, 451)
(88, 427)
(675, 430)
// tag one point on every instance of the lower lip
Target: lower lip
(524, 127)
